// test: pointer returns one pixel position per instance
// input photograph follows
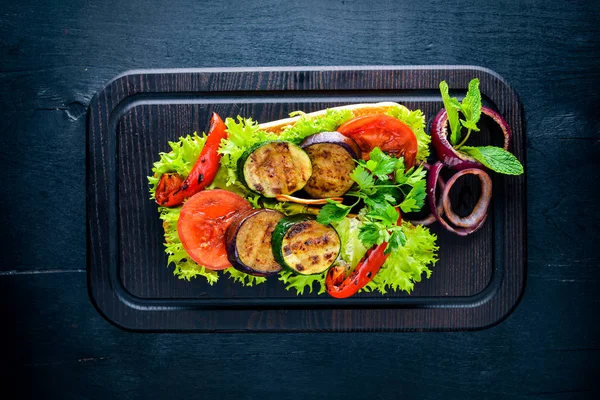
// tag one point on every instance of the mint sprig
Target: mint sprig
(495, 158)
(470, 108)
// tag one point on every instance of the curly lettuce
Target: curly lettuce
(180, 159)
(307, 125)
(301, 282)
(408, 263)
(243, 278)
(403, 268)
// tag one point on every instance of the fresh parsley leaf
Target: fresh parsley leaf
(332, 212)
(495, 158)
(411, 176)
(364, 179)
(400, 170)
(380, 164)
(384, 212)
(392, 215)
(415, 199)
(452, 106)
(397, 240)
(370, 234)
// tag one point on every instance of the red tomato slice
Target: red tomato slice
(379, 130)
(203, 223)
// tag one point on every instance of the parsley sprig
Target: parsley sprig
(383, 184)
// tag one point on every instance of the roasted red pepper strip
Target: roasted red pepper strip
(368, 266)
(366, 269)
(171, 191)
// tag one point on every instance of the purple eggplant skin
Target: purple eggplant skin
(233, 234)
(334, 138)
(333, 157)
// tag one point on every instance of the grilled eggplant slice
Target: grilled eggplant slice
(272, 168)
(249, 242)
(333, 158)
(304, 246)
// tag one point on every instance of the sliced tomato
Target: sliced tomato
(203, 223)
(379, 130)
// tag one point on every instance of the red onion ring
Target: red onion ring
(456, 159)
(430, 219)
(480, 210)
(432, 179)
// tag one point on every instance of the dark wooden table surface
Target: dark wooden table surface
(55, 55)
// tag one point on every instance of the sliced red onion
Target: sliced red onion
(456, 159)
(430, 219)
(432, 179)
(479, 212)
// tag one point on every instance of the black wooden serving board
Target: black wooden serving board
(476, 283)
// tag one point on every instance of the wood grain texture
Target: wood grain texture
(69, 350)
(56, 55)
(478, 279)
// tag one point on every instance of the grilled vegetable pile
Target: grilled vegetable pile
(320, 198)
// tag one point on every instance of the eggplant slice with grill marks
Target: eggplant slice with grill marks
(249, 247)
(333, 158)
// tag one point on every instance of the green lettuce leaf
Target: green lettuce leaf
(243, 278)
(243, 133)
(306, 126)
(352, 249)
(407, 264)
(416, 122)
(301, 282)
(180, 159)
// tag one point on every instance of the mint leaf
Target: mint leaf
(471, 106)
(495, 158)
(332, 212)
(452, 106)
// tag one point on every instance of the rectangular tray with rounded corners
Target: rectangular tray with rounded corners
(476, 283)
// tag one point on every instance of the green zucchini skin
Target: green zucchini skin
(275, 167)
(304, 246)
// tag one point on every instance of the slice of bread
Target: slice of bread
(358, 110)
